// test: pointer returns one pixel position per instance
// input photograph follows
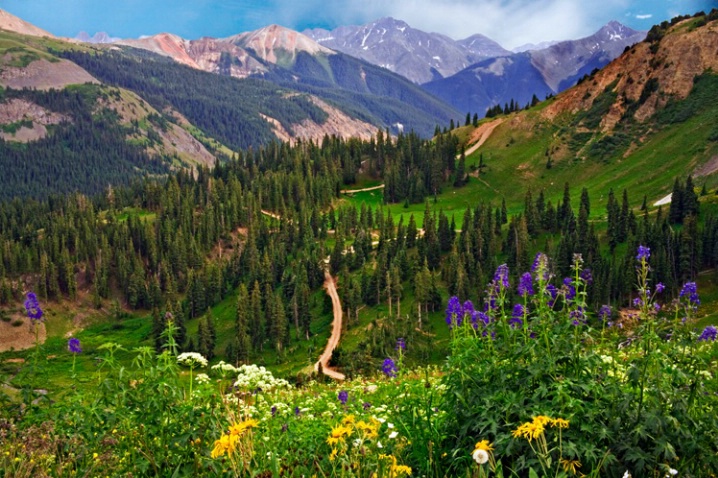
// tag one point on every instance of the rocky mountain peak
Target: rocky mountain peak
(12, 23)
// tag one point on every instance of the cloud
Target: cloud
(510, 22)
(644, 17)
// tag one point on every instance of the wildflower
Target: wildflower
(273, 410)
(225, 444)
(393, 435)
(337, 434)
(238, 429)
(637, 302)
(560, 422)
(578, 316)
(553, 292)
(400, 344)
(587, 276)
(691, 291)
(333, 454)
(709, 333)
(343, 397)
(660, 287)
(672, 472)
(192, 359)
(297, 411)
(525, 285)
(454, 312)
(389, 367)
(570, 465)
(501, 277)
(202, 378)
(605, 312)
(348, 420)
(516, 320)
(73, 345)
(540, 266)
(570, 290)
(366, 405)
(626, 475)
(480, 456)
(529, 430)
(32, 306)
(643, 253)
(483, 318)
(483, 445)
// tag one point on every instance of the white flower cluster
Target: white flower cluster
(202, 378)
(192, 359)
(224, 368)
(253, 377)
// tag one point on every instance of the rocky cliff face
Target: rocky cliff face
(648, 75)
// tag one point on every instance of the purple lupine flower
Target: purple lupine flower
(400, 344)
(643, 253)
(709, 333)
(587, 276)
(516, 320)
(637, 302)
(578, 316)
(657, 306)
(73, 345)
(454, 312)
(273, 410)
(553, 291)
(501, 276)
(691, 291)
(570, 289)
(343, 397)
(660, 287)
(490, 303)
(483, 318)
(525, 285)
(389, 367)
(32, 307)
(605, 312)
(297, 411)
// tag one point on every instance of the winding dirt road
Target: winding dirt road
(331, 288)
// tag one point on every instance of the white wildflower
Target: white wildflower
(192, 359)
(393, 435)
(480, 456)
(627, 474)
(202, 378)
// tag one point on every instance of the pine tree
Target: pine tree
(243, 343)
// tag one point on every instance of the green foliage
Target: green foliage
(627, 409)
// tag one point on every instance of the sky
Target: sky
(510, 22)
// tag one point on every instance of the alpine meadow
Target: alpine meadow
(285, 254)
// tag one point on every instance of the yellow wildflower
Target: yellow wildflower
(348, 420)
(333, 454)
(484, 445)
(398, 470)
(570, 465)
(239, 428)
(225, 444)
(542, 420)
(337, 434)
(529, 430)
(560, 423)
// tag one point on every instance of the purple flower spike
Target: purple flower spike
(454, 312)
(660, 288)
(501, 277)
(389, 367)
(643, 253)
(32, 306)
(709, 333)
(343, 397)
(73, 345)
(690, 290)
(525, 285)
(604, 312)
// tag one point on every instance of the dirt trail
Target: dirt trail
(483, 132)
(330, 286)
(352, 191)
